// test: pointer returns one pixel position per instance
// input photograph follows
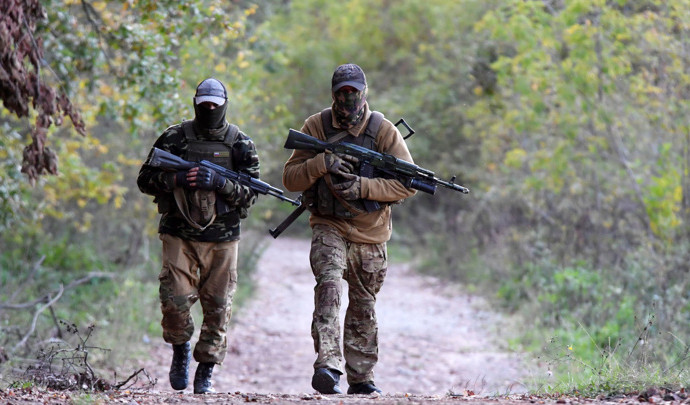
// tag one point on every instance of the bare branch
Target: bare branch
(45, 298)
(36, 314)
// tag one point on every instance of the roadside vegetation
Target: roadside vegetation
(568, 121)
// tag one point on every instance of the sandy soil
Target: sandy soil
(435, 339)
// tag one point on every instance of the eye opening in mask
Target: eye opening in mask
(209, 105)
(347, 90)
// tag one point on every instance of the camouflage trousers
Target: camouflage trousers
(203, 271)
(364, 267)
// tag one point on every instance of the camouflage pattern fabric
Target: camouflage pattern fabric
(348, 107)
(363, 266)
(159, 183)
(201, 271)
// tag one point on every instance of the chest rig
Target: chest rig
(320, 199)
(200, 207)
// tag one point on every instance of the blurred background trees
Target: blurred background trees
(567, 120)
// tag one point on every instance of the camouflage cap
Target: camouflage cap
(348, 75)
(211, 90)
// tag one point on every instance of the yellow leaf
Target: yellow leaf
(220, 67)
(515, 158)
(106, 90)
(72, 146)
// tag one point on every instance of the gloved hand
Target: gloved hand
(340, 163)
(206, 178)
(351, 189)
(182, 179)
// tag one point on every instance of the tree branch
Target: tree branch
(35, 319)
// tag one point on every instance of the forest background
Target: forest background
(568, 120)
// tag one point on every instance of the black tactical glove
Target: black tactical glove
(182, 179)
(351, 189)
(208, 179)
(340, 163)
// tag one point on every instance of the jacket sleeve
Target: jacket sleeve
(245, 160)
(304, 166)
(389, 141)
(153, 180)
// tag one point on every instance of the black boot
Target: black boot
(363, 388)
(179, 369)
(202, 379)
(326, 381)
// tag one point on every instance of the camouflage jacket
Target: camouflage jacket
(160, 184)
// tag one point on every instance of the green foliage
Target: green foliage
(586, 197)
(88, 290)
(567, 120)
(582, 366)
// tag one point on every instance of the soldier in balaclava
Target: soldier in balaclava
(348, 236)
(200, 231)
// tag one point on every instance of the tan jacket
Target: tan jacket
(304, 167)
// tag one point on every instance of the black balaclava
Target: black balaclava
(211, 123)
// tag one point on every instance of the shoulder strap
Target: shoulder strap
(231, 135)
(374, 124)
(327, 123)
(188, 128)
(372, 130)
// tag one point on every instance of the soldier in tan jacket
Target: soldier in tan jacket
(348, 241)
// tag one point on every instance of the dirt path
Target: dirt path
(434, 338)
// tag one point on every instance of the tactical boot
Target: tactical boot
(179, 374)
(202, 379)
(326, 381)
(365, 388)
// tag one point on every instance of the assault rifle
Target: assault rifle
(372, 164)
(168, 161)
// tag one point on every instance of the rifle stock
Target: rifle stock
(300, 140)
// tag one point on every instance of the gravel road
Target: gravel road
(434, 338)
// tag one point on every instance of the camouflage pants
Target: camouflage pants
(364, 267)
(204, 271)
